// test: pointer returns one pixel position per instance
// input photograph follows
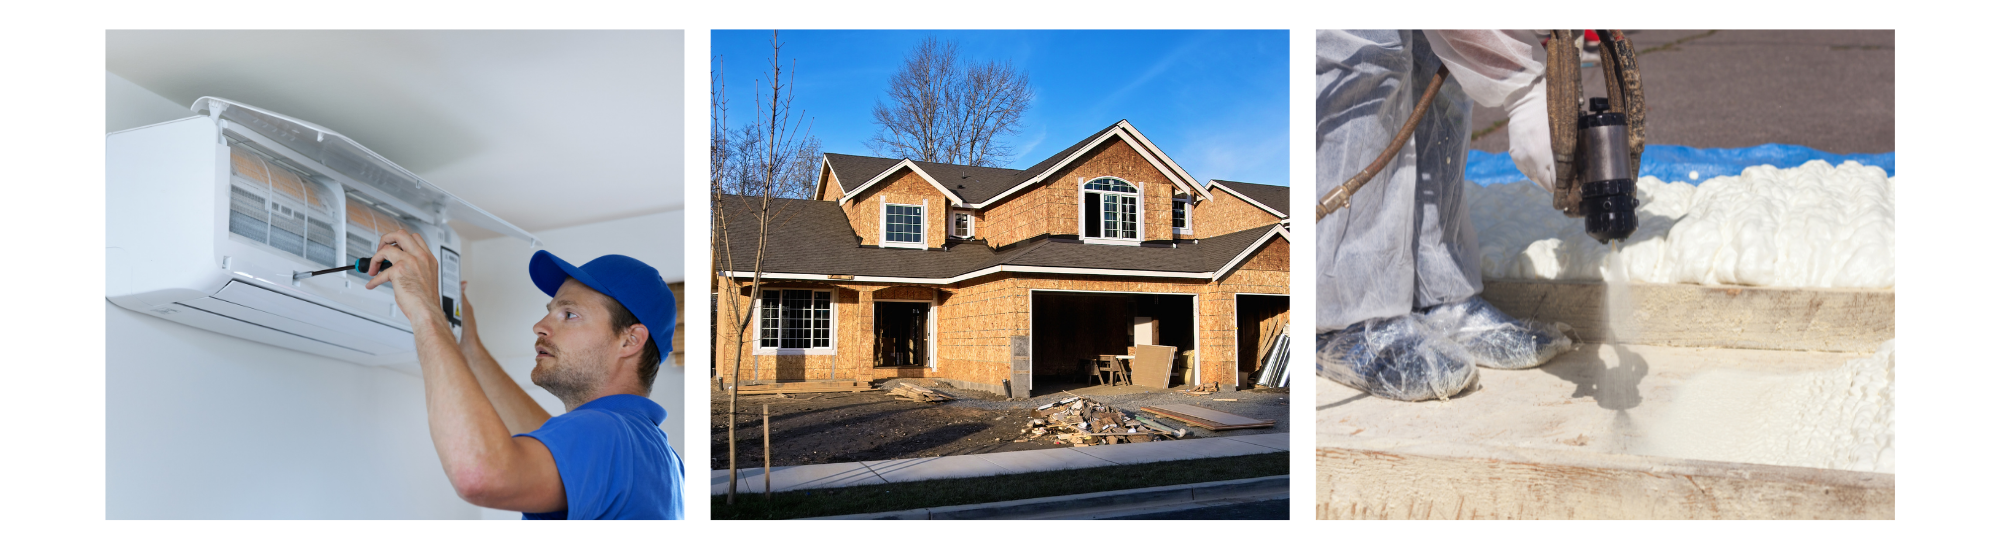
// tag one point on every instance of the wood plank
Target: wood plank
(1359, 478)
(1209, 415)
(1797, 319)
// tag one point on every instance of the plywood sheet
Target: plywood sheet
(1152, 365)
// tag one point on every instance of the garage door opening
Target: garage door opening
(1071, 330)
(902, 334)
(1260, 321)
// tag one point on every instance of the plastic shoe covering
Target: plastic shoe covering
(1496, 339)
(1399, 358)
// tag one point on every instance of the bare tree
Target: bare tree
(749, 168)
(943, 109)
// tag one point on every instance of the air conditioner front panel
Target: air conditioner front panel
(316, 315)
(239, 328)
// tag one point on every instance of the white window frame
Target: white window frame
(1186, 204)
(923, 225)
(930, 325)
(971, 224)
(832, 315)
(1139, 211)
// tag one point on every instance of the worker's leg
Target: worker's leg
(1365, 268)
(1369, 337)
(1447, 249)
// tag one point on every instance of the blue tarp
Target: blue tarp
(1674, 162)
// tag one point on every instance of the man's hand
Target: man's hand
(413, 269)
(469, 329)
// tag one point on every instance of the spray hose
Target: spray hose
(1338, 198)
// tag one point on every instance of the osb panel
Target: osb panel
(904, 187)
(1227, 214)
(975, 319)
(830, 186)
(1018, 217)
(1275, 255)
(1050, 208)
(905, 293)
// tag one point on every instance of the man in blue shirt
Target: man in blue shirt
(606, 457)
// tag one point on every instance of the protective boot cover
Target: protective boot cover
(1495, 339)
(1401, 358)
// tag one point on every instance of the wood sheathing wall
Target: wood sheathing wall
(1226, 214)
(976, 317)
(864, 212)
(1050, 207)
(829, 189)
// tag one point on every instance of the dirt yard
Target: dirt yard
(820, 428)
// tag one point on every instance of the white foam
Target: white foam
(1842, 418)
(1815, 225)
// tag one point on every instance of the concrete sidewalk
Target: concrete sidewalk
(848, 474)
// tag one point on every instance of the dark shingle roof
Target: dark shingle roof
(852, 171)
(973, 184)
(1270, 195)
(813, 237)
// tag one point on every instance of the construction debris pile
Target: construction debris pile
(1082, 422)
(912, 392)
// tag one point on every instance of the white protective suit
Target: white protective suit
(1407, 241)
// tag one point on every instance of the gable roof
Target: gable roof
(976, 186)
(1274, 199)
(812, 239)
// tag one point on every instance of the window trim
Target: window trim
(1138, 212)
(923, 225)
(833, 324)
(971, 224)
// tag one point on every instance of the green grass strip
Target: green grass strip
(890, 497)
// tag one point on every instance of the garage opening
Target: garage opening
(902, 334)
(1071, 330)
(1260, 320)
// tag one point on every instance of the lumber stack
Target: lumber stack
(908, 392)
(1209, 419)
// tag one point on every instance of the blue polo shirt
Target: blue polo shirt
(614, 460)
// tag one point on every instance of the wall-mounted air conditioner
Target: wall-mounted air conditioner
(207, 218)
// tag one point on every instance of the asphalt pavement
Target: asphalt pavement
(1832, 90)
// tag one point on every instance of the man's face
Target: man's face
(575, 346)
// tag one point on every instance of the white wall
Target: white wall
(127, 106)
(507, 304)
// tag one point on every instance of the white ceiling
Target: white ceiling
(545, 129)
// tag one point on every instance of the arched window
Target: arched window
(1110, 209)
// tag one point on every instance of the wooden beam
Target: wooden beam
(1796, 319)
(1360, 478)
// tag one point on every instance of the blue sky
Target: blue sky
(1215, 101)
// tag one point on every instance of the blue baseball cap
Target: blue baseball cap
(632, 283)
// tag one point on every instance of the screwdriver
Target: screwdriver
(359, 266)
